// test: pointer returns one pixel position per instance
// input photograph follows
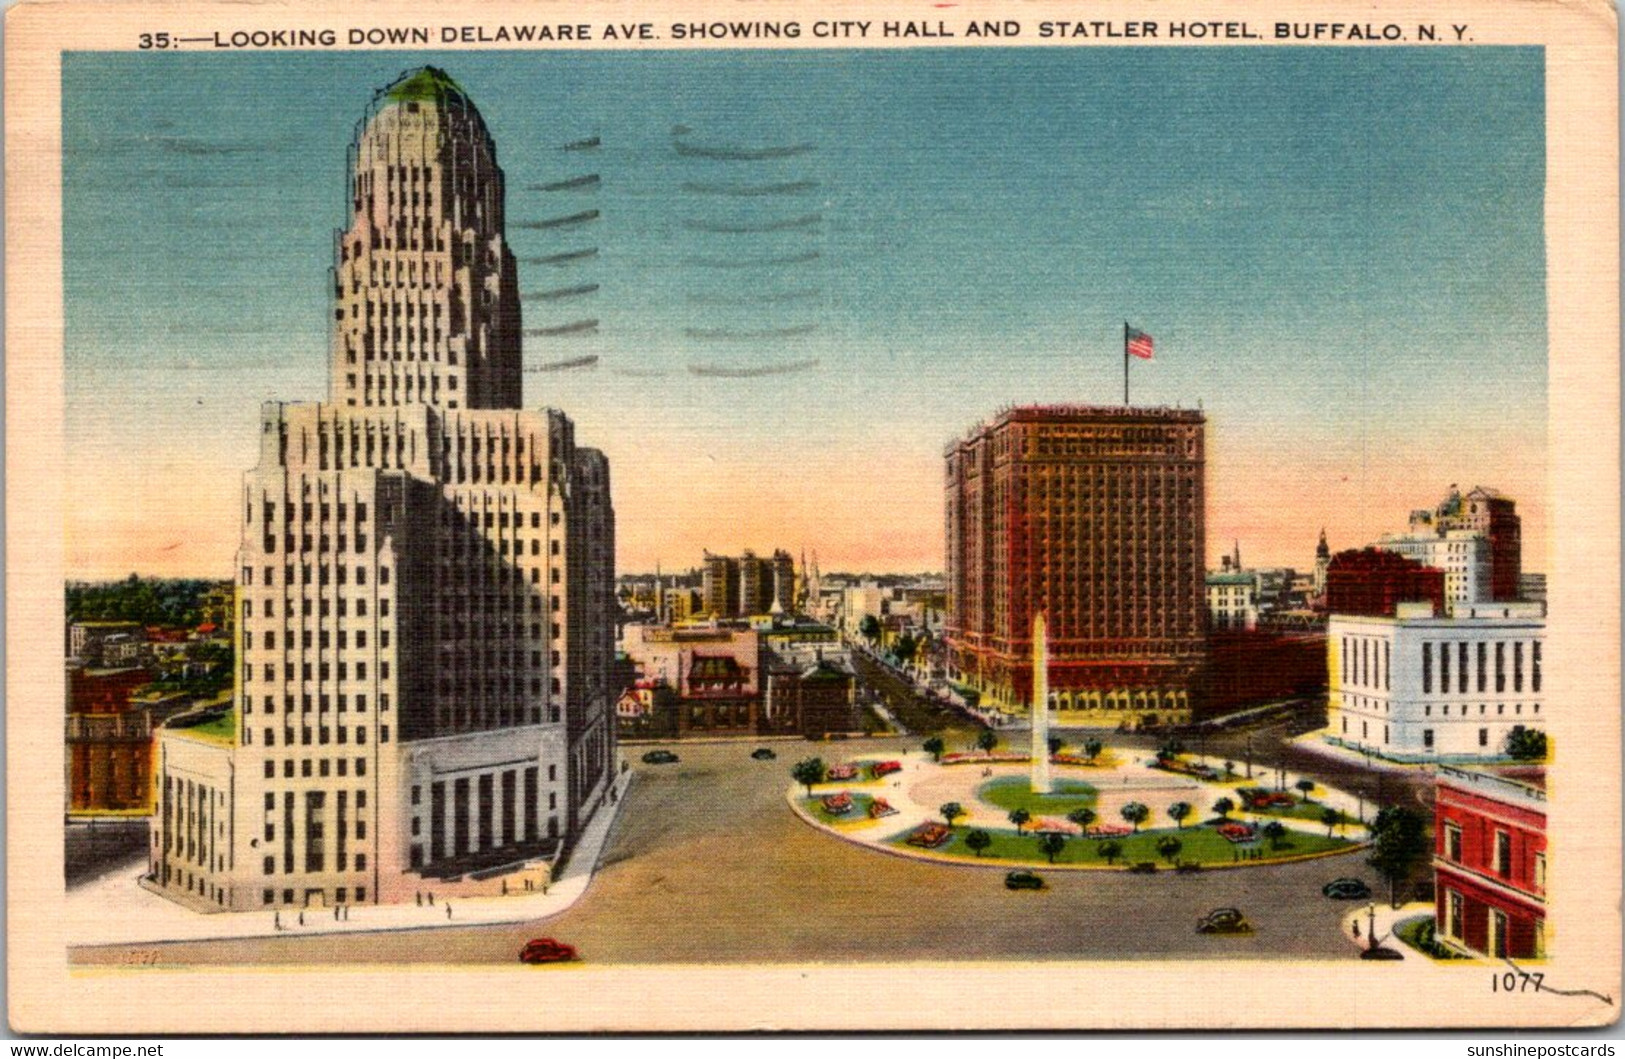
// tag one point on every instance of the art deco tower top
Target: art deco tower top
(426, 299)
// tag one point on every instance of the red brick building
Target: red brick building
(1489, 863)
(1094, 516)
(1371, 582)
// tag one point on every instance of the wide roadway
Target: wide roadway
(709, 864)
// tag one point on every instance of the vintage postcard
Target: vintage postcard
(592, 516)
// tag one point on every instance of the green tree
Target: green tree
(1229, 769)
(1083, 817)
(934, 746)
(870, 627)
(1331, 818)
(1526, 744)
(904, 648)
(1019, 817)
(1305, 787)
(1169, 848)
(986, 740)
(1178, 812)
(809, 771)
(950, 810)
(1224, 807)
(1110, 849)
(1135, 813)
(978, 841)
(1092, 748)
(1051, 844)
(1275, 831)
(1398, 841)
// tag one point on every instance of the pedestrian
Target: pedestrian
(335, 913)
(1356, 929)
(448, 910)
(504, 887)
(276, 919)
(419, 896)
(431, 898)
(301, 918)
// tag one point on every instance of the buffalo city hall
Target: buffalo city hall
(425, 579)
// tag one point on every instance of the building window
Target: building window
(1427, 738)
(1452, 843)
(1453, 916)
(1540, 872)
(270, 865)
(1503, 854)
(1483, 737)
(1427, 668)
(1534, 666)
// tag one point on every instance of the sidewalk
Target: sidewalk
(1386, 918)
(115, 910)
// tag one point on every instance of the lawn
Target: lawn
(221, 729)
(1301, 811)
(1200, 844)
(853, 817)
(1418, 933)
(1015, 792)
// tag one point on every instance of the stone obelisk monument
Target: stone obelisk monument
(1040, 708)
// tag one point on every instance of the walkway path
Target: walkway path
(116, 910)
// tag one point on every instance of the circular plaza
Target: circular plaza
(1105, 809)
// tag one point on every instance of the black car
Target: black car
(763, 754)
(1144, 867)
(660, 757)
(1347, 890)
(1224, 921)
(1023, 880)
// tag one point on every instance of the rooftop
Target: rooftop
(427, 84)
(220, 728)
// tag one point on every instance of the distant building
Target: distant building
(1489, 863)
(1233, 598)
(106, 644)
(1373, 582)
(1462, 554)
(1323, 560)
(1420, 687)
(1532, 587)
(1490, 515)
(747, 585)
(1093, 516)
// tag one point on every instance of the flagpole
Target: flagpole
(1125, 363)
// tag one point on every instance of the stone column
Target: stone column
(1040, 708)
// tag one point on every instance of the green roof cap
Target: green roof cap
(427, 84)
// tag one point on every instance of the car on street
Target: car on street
(1347, 890)
(763, 754)
(1224, 921)
(1144, 867)
(546, 950)
(660, 757)
(1023, 880)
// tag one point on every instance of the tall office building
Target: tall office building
(748, 585)
(425, 581)
(1095, 517)
(1487, 514)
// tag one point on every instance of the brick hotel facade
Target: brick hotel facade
(1094, 516)
(425, 579)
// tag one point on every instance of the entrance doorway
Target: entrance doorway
(315, 899)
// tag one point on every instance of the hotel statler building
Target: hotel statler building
(425, 577)
(1093, 516)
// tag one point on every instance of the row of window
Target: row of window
(309, 639)
(324, 572)
(323, 734)
(323, 702)
(308, 768)
(1464, 655)
(307, 672)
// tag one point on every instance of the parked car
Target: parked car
(1144, 867)
(763, 754)
(1224, 921)
(1347, 890)
(546, 950)
(660, 757)
(1023, 880)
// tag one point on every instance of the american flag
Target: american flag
(1139, 343)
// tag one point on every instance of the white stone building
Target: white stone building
(1416, 687)
(425, 581)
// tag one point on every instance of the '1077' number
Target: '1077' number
(1515, 982)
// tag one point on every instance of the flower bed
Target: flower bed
(1073, 759)
(1108, 831)
(836, 804)
(973, 758)
(841, 772)
(1051, 825)
(1237, 832)
(885, 768)
(880, 807)
(930, 836)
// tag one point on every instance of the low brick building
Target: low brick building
(1489, 862)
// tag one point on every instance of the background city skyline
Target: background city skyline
(816, 268)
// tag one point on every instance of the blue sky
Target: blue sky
(1339, 252)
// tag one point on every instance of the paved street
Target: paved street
(708, 863)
